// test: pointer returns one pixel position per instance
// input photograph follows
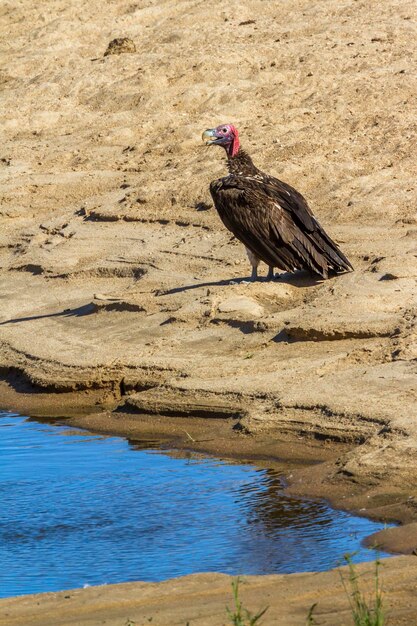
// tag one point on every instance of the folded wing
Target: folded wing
(274, 221)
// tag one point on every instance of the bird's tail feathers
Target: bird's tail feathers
(334, 257)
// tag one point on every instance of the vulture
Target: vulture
(271, 218)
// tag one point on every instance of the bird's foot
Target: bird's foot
(270, 275)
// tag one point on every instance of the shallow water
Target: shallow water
(80, 509)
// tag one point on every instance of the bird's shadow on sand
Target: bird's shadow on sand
(80, 311)
(302, 280)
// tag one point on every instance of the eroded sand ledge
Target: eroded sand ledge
(115, 271)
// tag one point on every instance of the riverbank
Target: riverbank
(315, 460)
(201, 600)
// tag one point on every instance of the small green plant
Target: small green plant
(364, 613)
(241, 616)
(310, 619)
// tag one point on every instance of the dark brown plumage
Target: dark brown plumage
(269, 217)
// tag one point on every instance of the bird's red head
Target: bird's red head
(225, 135)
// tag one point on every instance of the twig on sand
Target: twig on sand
(189, 436)
(196, 440)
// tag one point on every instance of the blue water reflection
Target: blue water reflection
(79, 509)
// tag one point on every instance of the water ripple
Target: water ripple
(80, 509)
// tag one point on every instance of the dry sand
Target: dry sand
(115, 269)
(200, 600)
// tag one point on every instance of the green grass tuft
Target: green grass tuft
(364, 612)
(241, 616)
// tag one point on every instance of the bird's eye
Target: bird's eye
(224, 130)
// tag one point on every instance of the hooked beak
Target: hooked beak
(210, 137)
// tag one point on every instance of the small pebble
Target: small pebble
(120, 45)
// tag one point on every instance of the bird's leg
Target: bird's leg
(254, 261)
(270, 275)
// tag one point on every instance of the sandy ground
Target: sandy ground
(117, 279)
(201, 600)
